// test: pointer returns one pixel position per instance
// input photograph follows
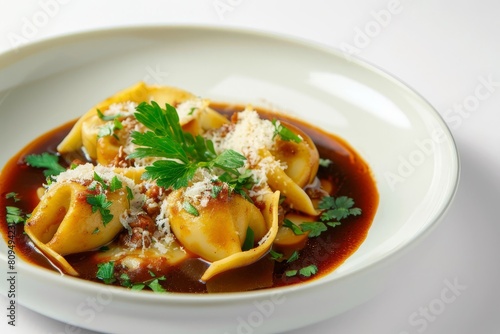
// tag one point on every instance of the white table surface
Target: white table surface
(447, 50)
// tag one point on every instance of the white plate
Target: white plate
(408, 146)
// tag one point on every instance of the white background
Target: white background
(445, 49)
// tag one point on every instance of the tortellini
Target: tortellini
(65, 223)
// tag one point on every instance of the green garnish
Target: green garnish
(190, 209)
(153, 284)
(325, 162)
(334, 210)
(115, 184)
(15, 215)
(45, 160)
(293, 257)
(182, 153)
(306, 271)
(13, 195)
(285, 133)
(314, 228)
(337, 208)
(100, 203)
(106, 117)
(96, 230)
(249, 240)
(294, 227)
(109, 129)
(275, 255)
(106, 272)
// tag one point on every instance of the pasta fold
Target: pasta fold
(64, 223)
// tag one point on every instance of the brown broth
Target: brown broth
(349, 174)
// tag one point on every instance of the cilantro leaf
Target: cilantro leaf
(45, 160)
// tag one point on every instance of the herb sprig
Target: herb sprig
(46, 160)
(181, 153)
(334, 210)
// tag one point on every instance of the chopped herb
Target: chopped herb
(293, 257)
(153, 284)
(96, 230)
(115, 184)
(109, 129)
(106, 272)
(100, 203)
(156, 286)
(314, 228)
(249, 240)
(100, 180)
(190, 209)
(216, 191)
(104, 249)
(45, 160)
(106, 117)
(182, 152)
(130, 194)
(191, 111)
(294, 227)
(285, 133)
(338, 208)
(334, 210)
(13, 195)
(306, 271)
(15, 215)
(275, 255)
(324, 162)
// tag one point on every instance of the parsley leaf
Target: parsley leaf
(338, 208)
(115, 184)
(190, 208)
(45, 160)
(306, 271)
(109, 129)
(106, 272)
(285, 133)
(249, 240)
(181, 152)
(293, 257)
(275, 255)
(14, 215)
(334, 210)
(294, 227)
(12, 195)
(314, 228)
(100, 203)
